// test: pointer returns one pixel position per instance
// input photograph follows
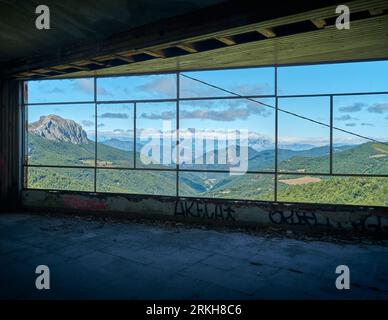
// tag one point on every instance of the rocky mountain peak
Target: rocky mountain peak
(53, 127)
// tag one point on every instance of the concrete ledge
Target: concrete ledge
(349, 218)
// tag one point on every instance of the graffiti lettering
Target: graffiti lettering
(85, 204)
(295, 217)
(203, 210)
(370, 223)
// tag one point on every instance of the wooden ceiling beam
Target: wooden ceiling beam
(45, 71)
(267, 32)
(76, 67)
(99, 63)
(35, 73)
(376, 11)
(55, 70)
(155, 53)
(122, 58)
(319, 23)
(229, 41)
(190, 48)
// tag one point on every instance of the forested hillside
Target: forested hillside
(47, 149)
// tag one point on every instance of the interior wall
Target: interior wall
(308, 217)
(10, 144)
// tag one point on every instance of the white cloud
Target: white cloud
(379, 108)
(87, 86)
(230, 110)
(87, 123)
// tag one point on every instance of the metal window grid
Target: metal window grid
(177, 101)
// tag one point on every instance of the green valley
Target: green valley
(367, 158)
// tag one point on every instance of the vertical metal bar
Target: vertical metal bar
(177, 133)
(95, 134)
(134, 135)
(276, 135)
(331, 135)
(24, 126)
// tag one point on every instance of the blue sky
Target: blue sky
(362, 114)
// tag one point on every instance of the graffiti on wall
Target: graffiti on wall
(359, 221)
(300, 218)
(76, 202)
(370, 223)
(199, 209)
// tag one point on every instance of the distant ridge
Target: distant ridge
(53, 127)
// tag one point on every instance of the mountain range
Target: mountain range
(56, 141)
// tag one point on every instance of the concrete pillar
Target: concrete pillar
(10, 144)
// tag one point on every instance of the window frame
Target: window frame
(276, 96)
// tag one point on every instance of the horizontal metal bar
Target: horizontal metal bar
(185, 99)
(335, 174)
(229, 97)
(99, 168)
(58, 166)
(174, 100)
(151, 100)
(332, 94)
(136, 101)
(214, 171)
(208, 98)
(57, 103)
(172, 169)
(224, 171)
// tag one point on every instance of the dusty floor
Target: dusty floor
(106, 260)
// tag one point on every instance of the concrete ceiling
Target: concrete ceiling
(74, 22)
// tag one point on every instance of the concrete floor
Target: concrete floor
(102, 260)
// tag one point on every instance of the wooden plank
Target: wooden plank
(376, 11)
(122, 58)
(319, 23)
(155, 53)
(44, 71)
(226, 40)
(267, 32)
(96, 62)
(76, 66)
(34, 73)
(57, 71)
(190, 48)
